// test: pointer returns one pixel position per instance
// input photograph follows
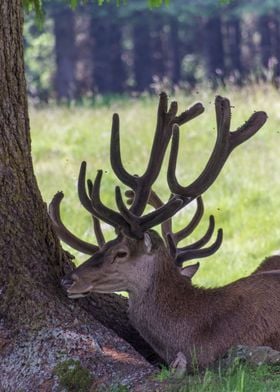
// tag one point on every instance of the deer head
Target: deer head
(130, 261)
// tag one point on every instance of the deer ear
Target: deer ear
(189, 270)
(148, 242)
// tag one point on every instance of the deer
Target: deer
(183, 323)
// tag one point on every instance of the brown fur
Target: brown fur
(269, 264)
(175, 316)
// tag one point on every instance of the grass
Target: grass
(239, 378)
(244, 199)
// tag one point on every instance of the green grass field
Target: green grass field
(238, 378)
(244, 199)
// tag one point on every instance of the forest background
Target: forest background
(95, 50)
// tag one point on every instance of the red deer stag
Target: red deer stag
(176, 318)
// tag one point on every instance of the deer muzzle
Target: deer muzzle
(75, 287)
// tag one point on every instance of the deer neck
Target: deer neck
(159, 283)
(154, 305)
(156, 275)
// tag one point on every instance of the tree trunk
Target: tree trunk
(175, 50)
(265, 43)
(235, 68)
(276, 35)
(157, 47)
(109, 74)
(39, 326)
(142, 52)
(100, 37)
(65, 53)
(84, 66)
(214, 49)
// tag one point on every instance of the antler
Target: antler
(225, 143)
(165, 121)
(130, 220)
(194, 250)
(64, 234)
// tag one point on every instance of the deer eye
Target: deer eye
(121, 254)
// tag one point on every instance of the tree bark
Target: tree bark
(65, 53)
(31, 259)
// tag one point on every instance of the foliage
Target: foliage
(39, 59)
(37, 5)
(73, 376)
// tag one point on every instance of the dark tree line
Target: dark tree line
(110, 50)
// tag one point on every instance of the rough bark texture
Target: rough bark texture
(33, 308)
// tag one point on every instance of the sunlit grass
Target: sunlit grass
(244, 199)
(238, 378)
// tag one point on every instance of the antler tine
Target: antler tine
(142, 184)
(98, 232)
(249, 128)
(151, 219)
(186, 231)
(190, 254)
(96, 222)
(225, 143)
(156, 202)
(166, 227)
(63, 233)
(115, 155)
(203, 240)
(172, 238)
(93, 204)
(82, 193)
(189, 114)
(100, 210)
(134, 221)
(161, 214)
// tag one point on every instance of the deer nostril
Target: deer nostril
(67, 282)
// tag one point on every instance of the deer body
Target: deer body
(174, 316)
(169, 312)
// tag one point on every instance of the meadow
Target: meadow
(244, 199)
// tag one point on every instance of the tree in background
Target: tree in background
(65, 52)
(186, 43)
